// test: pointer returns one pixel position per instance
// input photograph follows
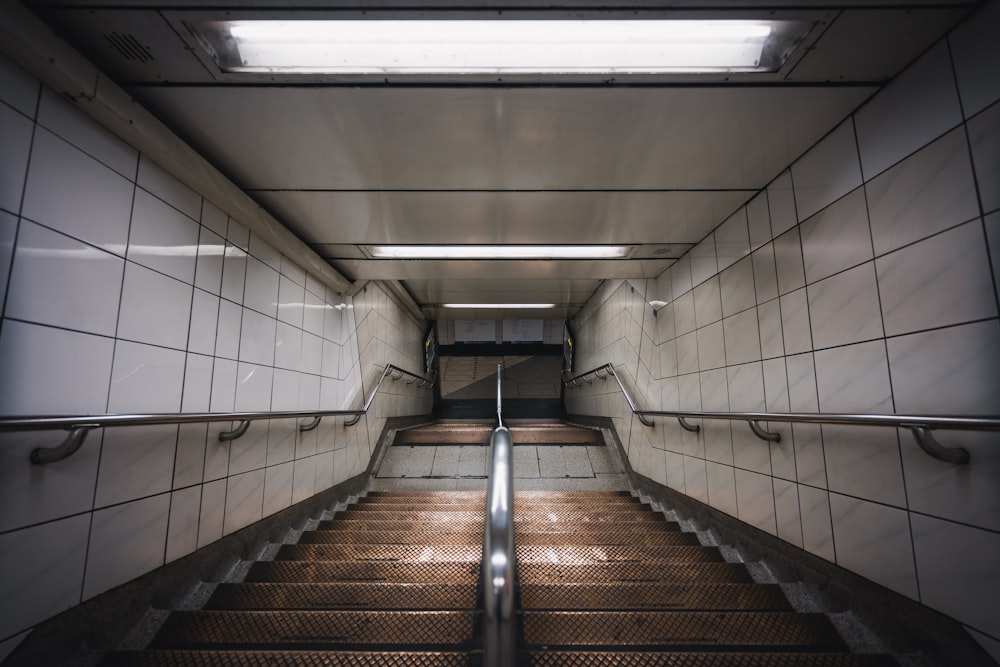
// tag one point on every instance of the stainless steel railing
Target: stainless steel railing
(80, 426)
(499, 570)
(920, 426)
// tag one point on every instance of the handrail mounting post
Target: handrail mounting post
(226, 436)
(925, 439)
(759, 431)
(74, 440)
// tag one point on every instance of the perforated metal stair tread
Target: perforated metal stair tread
(568, 518)
(357, 536)
(714, 659)
(403, 553)
(335, 571)
(236, 658)
(369, 596)
(669, 630)
(388, 630)
(626, 596)
(624, 538)
(734, 573)
(570, 555)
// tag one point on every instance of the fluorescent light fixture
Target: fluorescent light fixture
(498, 252)
(496, 47)
(483, 306)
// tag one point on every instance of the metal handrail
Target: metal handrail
(921, 426)
(499, 563)
(499, 395)
(390, 368)
(80, 426)
(609, 369)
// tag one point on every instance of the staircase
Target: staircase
(394, 580)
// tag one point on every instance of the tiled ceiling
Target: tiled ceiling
(655, 163)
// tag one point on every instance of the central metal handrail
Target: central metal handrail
(80, 426)
(921, 426)
(499, 569)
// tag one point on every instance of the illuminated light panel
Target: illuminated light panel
(484, 306)
(511, 46)
(498, 252)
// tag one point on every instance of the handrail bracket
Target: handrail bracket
(227, 436)
(759, 431)
(925, 439)
(74, 440)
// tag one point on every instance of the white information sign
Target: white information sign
(475, 331)
(524, 331)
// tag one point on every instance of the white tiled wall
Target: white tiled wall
(122, 290)
(863, 279)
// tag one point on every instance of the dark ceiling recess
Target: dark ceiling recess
(128, 47)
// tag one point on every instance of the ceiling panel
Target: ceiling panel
(510, 290)
(503, 217)
(513, 138)
(464, 270)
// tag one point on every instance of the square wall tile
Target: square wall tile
(680, 276)
(126, 541)
(18, 88)
(992, 223)
(223, 385)
(854, 378)
(926, 193)
(15, 137)
(781, 203)
(722, 488)
(155, 179)
(708, 302)
(985, 139)
(227, 335)
(278, 488)
(837, 237)
(287, 346)
(291, 302)
(182, 531)
(145, 379)
(802, 386)
(136, 461)
(844, 308)
(204, 320)
(742, 337)
(213, 511)
(190, 462)
(810, 461)
(732, 239)
(696, 478)
(43, 567)
(788, 519)
(162, 238)
(915, 108)
(943, 280)
(874, 541)
(765, 274)
(709, 342)
(293, 271)
(973, 47)
(864, 462)
(253, 388)
(788, 262)
(213, 218)
(827, 172)
(967, 593)
(8, 230)
(244, 500)
(234, 271)
(155, 308)
(746, 387)
(211, 255)
(197, 384)
(59, 281)
(313, 314)
(772, 343)
(737, 287)
(817, 532)
(755, 500)
(94, 202)
(684, 318)
(261, 292)
(947, 371)
(257, 338)
(60, 116)
(30, 493)
(53, 371)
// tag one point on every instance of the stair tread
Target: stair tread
(634, 572)
(477, 525)
(706, 659)
(334, 571)
(238, 658)
(716, 629)
(366, 595)
(315, 629)
(467, 537)
(382, 552)
(667, 596)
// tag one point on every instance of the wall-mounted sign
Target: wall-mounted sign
(524, 331)
(475, 331)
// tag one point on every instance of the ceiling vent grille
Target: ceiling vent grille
(662, 250)
(128, 47)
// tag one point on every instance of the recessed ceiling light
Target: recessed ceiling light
(498, 252)
(492, 306)
(498, 47)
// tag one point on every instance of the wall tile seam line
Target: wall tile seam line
(56, 133)
(33, 118)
